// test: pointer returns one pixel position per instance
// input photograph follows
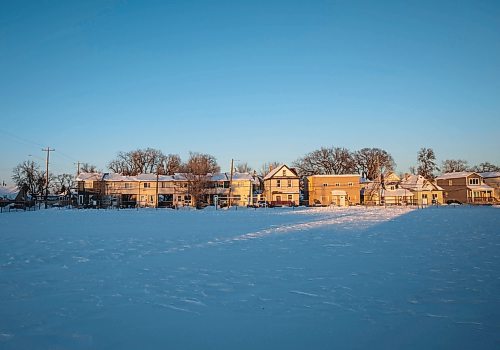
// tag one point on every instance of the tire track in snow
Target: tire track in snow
(353, 217)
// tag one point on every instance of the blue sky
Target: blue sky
(255, 81)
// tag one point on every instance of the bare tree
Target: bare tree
(140, 161)
(426, 163)
(198, 170)
(243, 168)
(30, 178)
(454, 165)
(171, 164)
(371, 162)
(326, 161)
(88, 168)
(485, 167)
(63, 183)
(266, 168)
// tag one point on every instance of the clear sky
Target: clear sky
(255, 81)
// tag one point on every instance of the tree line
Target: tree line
(370, 163)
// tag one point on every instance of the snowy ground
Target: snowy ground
(324, 278)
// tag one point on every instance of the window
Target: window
(350, 184)
(179, 198)
(325, 185)
(278, 183)
(147, 185)
(290, 197)
(128, 185)
(474, 181)
(289, 183)
(284, 172)
(151, 198)
(450, 182)
(337, 184)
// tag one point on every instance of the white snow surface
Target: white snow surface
(323, 278)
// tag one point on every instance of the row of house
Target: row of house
(282, 186)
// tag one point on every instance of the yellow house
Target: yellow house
(424, 191)
(282, 187)
(338, 190)
(236, 190)
(242, 189)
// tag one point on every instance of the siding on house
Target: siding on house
(282, 186)
(339, 190)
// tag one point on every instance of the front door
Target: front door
(424, 199)
(342, 201)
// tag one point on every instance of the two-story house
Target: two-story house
(282, 187)
(465, 187)
(424, 191)
(337, 190)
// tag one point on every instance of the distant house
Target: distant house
(243, 189)
(465, 187)
(492, 179)
(89, 189)
(385, 190)
(281, 186)
(424, 192)
(8, 192)
(337, 190)
(151, 190)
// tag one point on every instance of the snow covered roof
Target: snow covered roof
(418, 183)
(8, 192)
(89, 177)
(455, 175)
(276, 170)
(490, 174)
(333, 175)
(117, 177)
(152, 177)
(220, 177)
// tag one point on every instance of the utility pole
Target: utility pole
(157, 178)
(230, 184)
(48, 150)
(78, 168)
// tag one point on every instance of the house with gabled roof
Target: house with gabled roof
(465, 187)
(282, 187)
(424, 191)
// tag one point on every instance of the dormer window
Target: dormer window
(474, 181)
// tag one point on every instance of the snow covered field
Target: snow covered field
(323, 278)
